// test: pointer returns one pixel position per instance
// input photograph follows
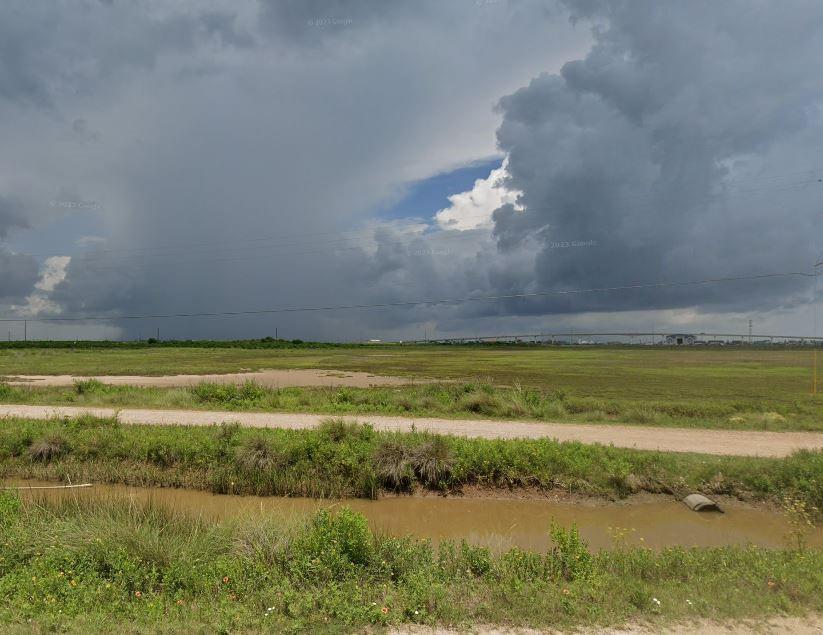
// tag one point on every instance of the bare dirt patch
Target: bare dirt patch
(270, 378)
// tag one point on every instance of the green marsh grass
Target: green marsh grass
(88, 566)
(341, 459)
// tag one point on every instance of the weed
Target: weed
(257, 455)
(89, 386)
(432, 462)
(393, 466)
(570, 557)
(48, 448)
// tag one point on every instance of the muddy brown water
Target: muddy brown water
(496, 523)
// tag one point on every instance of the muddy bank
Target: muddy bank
(269, 378)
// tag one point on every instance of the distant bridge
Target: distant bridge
(583, 338)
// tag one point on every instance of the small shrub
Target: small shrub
(480, 402)
(339, 430)
(162, 454)
(89, 387)
(50, 447)
(9, 507)
(478, 559)
(257, 455)
(228, 394)
(393, 465)
(432, 462)
(227, 432)
(335, 545)
(570, 556)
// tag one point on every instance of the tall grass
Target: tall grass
(119, 567)
(453, 399)
(342, 459)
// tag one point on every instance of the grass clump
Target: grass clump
(48, 448)
(228, 395)
(90, 387)
(116, 566)
(400, 465)
(257, 455)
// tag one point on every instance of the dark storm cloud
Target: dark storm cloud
(12, 215)
(634, 154)
(203, 131)
(51, 50)
(18, 275)
(285, 140)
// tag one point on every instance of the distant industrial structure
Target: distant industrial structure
(631, 339)
(680, 339)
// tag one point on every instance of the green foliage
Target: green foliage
(116, 566)
(344, 459)
(89, 386)
(229, 395)
(334, 546)
(454, 400)
(571, 559)
(9, 507)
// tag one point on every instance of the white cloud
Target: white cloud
(473, 209)
(52, 273)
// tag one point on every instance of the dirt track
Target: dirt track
(721, 442)
(271, 378)
(809, 625)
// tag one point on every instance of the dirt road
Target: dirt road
(271, 378)
(721, 442)
(779, 624)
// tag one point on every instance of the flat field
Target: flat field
(744, 388)
(652, 373)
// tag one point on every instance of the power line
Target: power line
(410, 303)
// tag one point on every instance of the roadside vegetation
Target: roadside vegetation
(117, 566)
(341, 459)
(451, 400)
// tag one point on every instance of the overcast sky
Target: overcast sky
(236, 155)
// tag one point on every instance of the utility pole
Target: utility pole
(750, 332)
(817, 265)
(158, 333)
(25, 330)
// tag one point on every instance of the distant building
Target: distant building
(680, 339)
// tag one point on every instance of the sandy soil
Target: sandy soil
(271, 378)
(721, 442)
(812, 625)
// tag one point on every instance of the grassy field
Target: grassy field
(745, 388)
(340, 460)
(120, 567)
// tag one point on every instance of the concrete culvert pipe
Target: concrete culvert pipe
(699, 503)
